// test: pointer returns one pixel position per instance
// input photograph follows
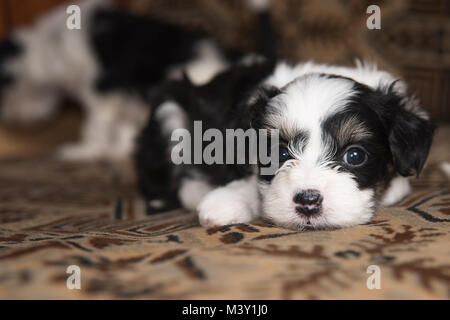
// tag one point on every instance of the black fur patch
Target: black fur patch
(410, 140)
(399, 138)
(9, 48)
(376, 145)
(220, 104)
(135, 52)
(153, 165)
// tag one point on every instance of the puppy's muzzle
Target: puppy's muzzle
(308, 202)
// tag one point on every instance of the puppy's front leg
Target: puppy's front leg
(237, 202)
(95, 135)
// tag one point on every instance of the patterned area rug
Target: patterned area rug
(54, 215)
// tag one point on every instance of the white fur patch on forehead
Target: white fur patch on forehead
(365, 73)
(306, 102)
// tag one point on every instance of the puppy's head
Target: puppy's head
(23, 98)
(340, 144)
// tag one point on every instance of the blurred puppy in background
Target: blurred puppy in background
(112, 66)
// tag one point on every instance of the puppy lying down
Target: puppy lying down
(348, 138)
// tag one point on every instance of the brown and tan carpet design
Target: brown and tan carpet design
(54, 214)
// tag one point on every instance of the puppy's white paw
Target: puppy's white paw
(220, 208)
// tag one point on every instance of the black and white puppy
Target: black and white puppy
(112, 66)
(349, 137)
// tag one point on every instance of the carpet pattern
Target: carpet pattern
(55, 214)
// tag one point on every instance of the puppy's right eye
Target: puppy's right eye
(284, 155)
(355, 156)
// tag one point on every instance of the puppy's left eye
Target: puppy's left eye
(284, 155)
(355, 156)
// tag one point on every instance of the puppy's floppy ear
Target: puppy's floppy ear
(257, 104)
(410, 137)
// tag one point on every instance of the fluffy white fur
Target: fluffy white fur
(48, 66)
(192, 191)
(364, 72)
(304, 104)
(343, 205)
(237, 202)
(208, 62)
(111, 124)
(398, 189)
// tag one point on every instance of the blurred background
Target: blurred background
(414, 43)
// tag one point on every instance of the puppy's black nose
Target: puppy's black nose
(308, 202)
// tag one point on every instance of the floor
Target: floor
(56, 214)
